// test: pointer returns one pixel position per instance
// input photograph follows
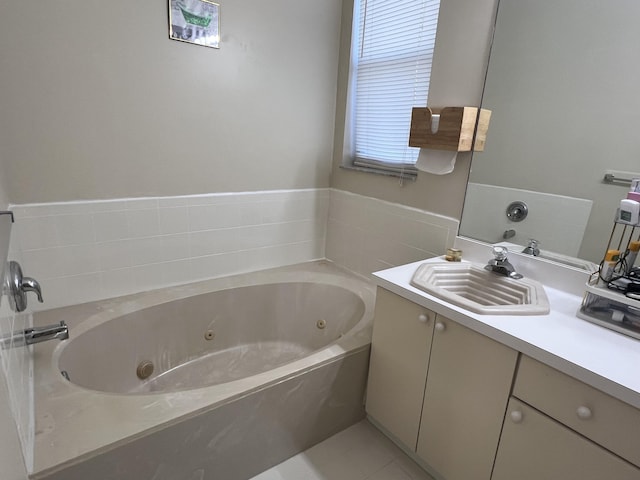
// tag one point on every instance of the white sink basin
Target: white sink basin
(472, 287)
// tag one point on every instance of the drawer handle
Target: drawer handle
(423, 318)
(516, 416)
(440, 327)
(584, 413)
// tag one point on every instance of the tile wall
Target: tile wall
(17, 369)
(84, 251)
(366, 234)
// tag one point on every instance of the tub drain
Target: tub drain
(321, 324)
(144, 370)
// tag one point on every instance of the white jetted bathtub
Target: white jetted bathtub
(218, 379)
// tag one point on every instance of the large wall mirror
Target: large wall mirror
(563, 84)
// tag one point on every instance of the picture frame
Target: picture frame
(195, 21)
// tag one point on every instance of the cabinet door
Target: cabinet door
(402, 333)
(466, 396)
(535, 447)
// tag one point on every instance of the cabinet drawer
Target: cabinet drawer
(606, 420)
(534, 447)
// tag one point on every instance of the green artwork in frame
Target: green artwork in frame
(195, 21)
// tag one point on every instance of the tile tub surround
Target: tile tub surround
(366, 234)
(17, 366)
(17, 363)
(288, 408)
(86, 251)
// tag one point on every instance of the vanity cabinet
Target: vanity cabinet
(467, 391)
(449, 394)
(606, 420)
(400, 349)
(557, 427)
(534, 447)
(438, 387)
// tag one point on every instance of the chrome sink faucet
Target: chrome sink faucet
(500, 265)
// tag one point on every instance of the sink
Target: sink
(470, 286)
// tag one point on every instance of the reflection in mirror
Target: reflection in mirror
(564, 87)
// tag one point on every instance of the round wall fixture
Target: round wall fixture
(517, 211)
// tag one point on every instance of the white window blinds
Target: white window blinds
(392, 65)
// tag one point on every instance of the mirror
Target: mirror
(563, 85)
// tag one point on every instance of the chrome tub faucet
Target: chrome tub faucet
(16, 287)
(30, 336)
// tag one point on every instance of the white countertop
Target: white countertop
(602, 358)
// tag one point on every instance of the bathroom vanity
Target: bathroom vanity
(503, 396)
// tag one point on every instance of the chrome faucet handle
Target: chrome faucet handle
(500, 253)
(500, 265)
(29, 284)
(16, 287)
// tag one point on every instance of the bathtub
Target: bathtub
(219, 379)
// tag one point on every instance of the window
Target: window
(392, 52)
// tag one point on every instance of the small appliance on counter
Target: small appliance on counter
(612, 296)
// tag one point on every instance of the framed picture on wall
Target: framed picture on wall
(195, 21)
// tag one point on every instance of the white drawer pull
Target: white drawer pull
(584, 412)
(423, 318)
(440, 327)
(516, 416)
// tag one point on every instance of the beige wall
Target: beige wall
(113, 108)
(97, 102)
(462, 49)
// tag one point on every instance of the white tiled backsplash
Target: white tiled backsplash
(365, 234)
(84, 251)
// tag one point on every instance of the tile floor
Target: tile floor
(360, 452)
